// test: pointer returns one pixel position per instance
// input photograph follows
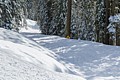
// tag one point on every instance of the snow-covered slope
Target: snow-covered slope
(13, 68)
(31, 27)
(28, 50)
(95, 60)
(23, 59)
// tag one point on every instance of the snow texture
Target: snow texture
(45, 57)
(24, 59)
(13, 68)
(94, 61)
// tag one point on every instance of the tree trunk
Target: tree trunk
(117, 23)
(112, 12)
(97, 23)
(68, 22)
(107, 15)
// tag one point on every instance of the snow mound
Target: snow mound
(13, 68)
(23, 59)
(27, 50)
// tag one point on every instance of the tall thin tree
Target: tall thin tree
(68, 22)
(107, 15)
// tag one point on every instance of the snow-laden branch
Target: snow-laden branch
(115, 18)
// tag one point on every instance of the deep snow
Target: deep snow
(24, 59)
(93, 60)
(13, 68)
(45, 57)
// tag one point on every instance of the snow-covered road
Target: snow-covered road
(93, 60)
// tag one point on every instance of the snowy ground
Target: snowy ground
(92, 59)
(44, 57)
(95, 61)
(23, 59)
(13, 68)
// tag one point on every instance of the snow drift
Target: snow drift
(23, 59)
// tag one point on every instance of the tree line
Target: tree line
(93, 20)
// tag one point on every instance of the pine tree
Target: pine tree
(114, 29)
(52, 16)
(83, 18)
(10, 14)
(100, 20)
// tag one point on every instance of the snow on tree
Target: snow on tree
(10, 14)
(52, 16)
(114, 29)
(83, 17)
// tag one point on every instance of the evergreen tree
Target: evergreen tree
(113, 27)
(52, 16)
(10, 11)
(99, 21)
(83, 17)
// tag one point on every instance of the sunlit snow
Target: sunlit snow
(30, 55)
(95, 61)
(24, 59)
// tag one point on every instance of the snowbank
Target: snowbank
(23, 59)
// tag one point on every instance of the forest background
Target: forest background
(92, 20)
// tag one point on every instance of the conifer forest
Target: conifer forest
(91, 20)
